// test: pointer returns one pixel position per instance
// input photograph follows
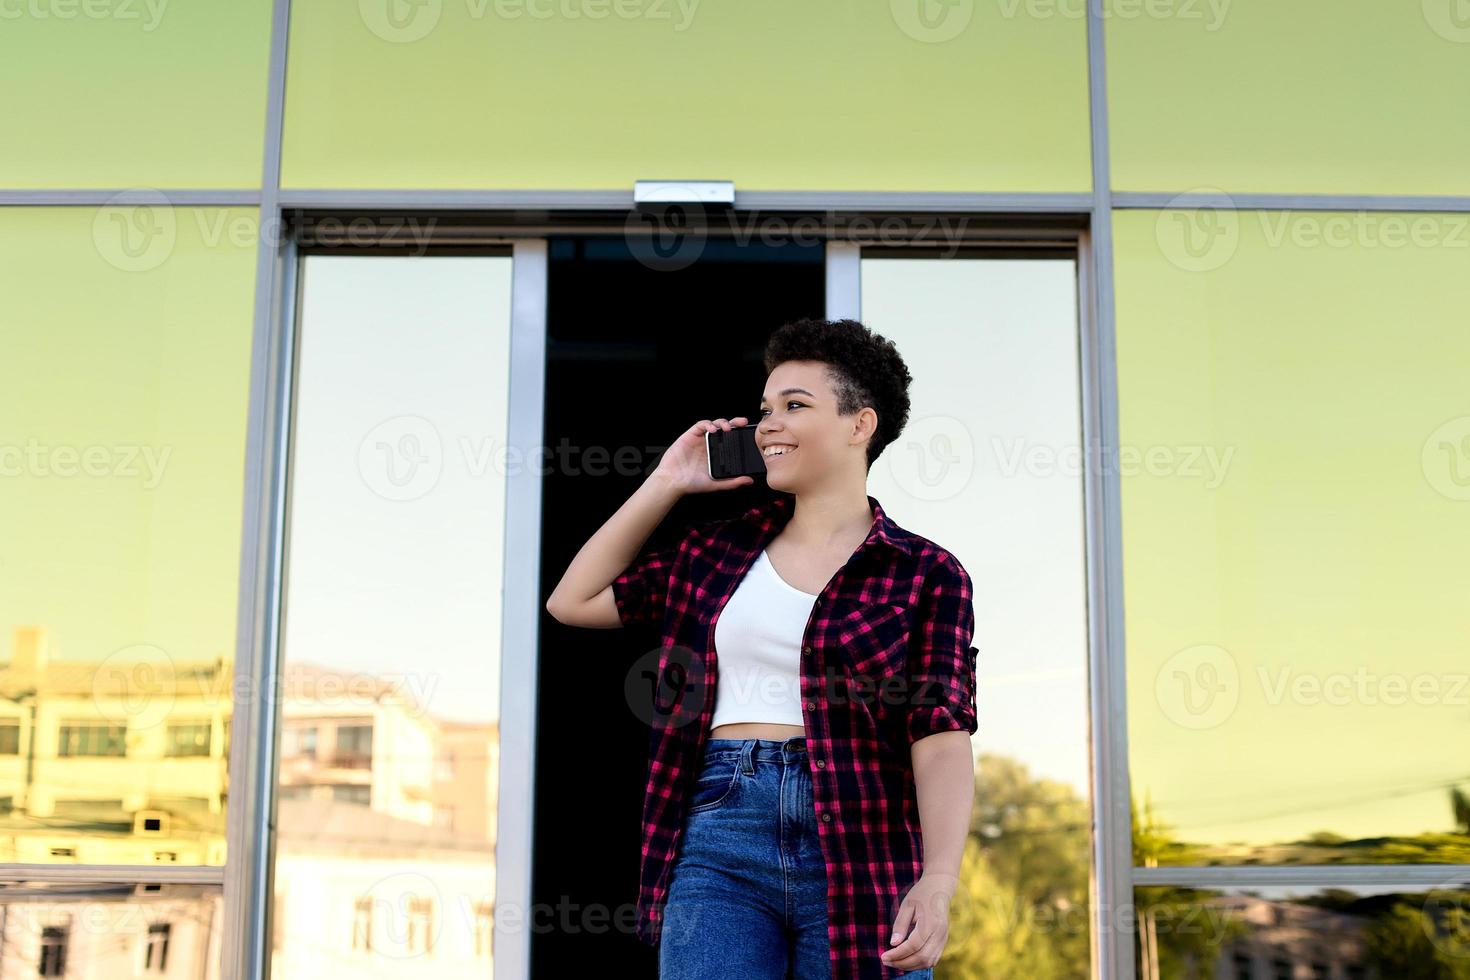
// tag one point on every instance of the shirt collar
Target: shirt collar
(770, 517)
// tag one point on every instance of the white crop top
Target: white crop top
(758, 650)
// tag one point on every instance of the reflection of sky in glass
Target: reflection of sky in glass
(398, 472)
(1295, 623)
(992, 346)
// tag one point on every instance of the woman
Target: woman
(809, 794)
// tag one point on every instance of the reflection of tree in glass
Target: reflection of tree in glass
(1423, 937)
(1181, 933)
(1021, 909)
(1177, 934)
(1322, 847)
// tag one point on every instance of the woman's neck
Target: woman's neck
(823, 521)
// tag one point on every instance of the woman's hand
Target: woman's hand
(685, 464)
(921, 927)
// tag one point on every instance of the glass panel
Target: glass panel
(1295, 444)
(988, 467)
(1310, 96)
(118, 93)
(1303, 932)
(504, 93)
(391, 646)
(70, 929)
(126, 336)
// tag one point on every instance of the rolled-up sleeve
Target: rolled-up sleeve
(941, 657)
(641, 591)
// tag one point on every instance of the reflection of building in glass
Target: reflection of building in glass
(385, 846)
(366, 740)
(51, 929)
(1247, 937)
(360, 893)
(123, 762)
(385, 852)
(1288, 939)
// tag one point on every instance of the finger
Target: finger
(723, 423)
(902, 923)
(909, 954)
(927, 955)
(907, 950)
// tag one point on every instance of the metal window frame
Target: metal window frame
(246, 876)
(1112, 839)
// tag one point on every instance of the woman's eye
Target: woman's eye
(788, 405)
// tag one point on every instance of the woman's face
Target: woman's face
(798, 411)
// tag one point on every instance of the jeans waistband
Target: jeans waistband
(757, 749)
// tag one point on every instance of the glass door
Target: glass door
(990, 467)
(388, 722)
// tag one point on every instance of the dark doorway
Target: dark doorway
(637, 351)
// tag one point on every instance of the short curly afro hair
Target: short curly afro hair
(865, 369)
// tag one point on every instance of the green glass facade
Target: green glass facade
(1275, 265)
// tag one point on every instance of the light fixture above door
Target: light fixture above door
(684, 192)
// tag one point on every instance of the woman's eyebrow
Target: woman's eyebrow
(789, 391)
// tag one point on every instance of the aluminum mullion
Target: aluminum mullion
(244, 943)
(1112, 940)
(844, 280)
(622, 199)
(1039, 203)
(93, 197)
(520, 626)
(1305, 874)
(1291, 202)
(193, 874)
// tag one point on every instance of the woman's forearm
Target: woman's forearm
(944, 780)
(616, 543)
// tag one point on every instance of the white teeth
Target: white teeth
(778, 450)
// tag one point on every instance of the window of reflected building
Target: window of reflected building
(109, 929)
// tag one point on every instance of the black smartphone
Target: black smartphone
(734, 453)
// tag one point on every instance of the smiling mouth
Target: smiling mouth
(782, 451)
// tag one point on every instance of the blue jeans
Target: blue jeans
(748, 890)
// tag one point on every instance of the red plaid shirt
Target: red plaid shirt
(886, 659)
